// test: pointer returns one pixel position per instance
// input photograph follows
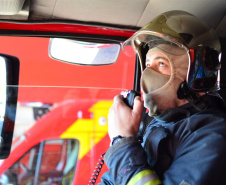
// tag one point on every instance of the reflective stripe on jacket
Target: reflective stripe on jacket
(144, 177)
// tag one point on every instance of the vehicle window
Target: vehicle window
(52, 161)
(60, 100)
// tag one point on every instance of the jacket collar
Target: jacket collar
(186, 110)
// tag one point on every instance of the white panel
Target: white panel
(207, 10)
(126, 12)
(10, 7)
(42, 9)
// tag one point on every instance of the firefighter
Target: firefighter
(185, 143)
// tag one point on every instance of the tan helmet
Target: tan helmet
(193, 36)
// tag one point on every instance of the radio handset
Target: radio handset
(128, 98)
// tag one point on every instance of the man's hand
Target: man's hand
(123, 120)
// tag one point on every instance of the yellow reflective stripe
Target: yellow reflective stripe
(154, 182)
(144, 177)
(139, 175)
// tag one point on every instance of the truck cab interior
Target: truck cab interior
(63, 64)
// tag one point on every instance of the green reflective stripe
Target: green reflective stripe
(144, 177)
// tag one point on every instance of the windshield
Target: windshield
(61, 116)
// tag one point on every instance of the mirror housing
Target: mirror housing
(82, 52)
(9, 79)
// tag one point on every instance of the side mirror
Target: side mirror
(9, 79)
(83, 53)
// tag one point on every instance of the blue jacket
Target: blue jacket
(184, 145)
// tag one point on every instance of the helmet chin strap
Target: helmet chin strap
(184, 92)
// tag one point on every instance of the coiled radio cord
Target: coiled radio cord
(97, 170)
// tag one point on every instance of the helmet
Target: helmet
(194, 37)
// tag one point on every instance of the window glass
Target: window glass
(60, 100)
(58, 161)
(23, 170)
(57, 164)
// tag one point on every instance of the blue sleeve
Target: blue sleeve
(127, 162)
(200, 154)
(106, 179)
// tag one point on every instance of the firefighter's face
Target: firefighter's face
(158, 62)
(161, 78)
